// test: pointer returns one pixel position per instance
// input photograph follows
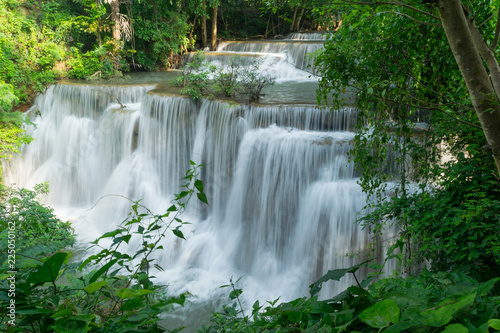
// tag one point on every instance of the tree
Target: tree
(213, 43)
(397, 59)
(204, 25)
(468, 45)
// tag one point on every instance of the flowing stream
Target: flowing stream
(282, 194)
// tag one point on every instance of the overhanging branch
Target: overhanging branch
(390, 3)
(497, 32)
(411, 18)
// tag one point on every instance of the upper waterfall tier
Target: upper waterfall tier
(308, 35)
(293, 52)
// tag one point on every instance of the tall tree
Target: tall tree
(115, 17)
(213, 43)
(482, 78)
(204, 25)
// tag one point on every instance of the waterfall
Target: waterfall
(308, 35)
(292, 52)
(282, 192)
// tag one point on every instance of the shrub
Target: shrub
(195, 78)
(38, 231)
(253, 81)
(226, 79)
(239, 76)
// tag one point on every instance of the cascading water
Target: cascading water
(282, 194)
(289, 54)
(308, 35)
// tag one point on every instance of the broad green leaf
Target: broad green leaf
(72, 324)
(49, 270)
(319, 307)
(113, 233)
(62, 313)
(335, 275)
(199, 185)
(93, 287)
(202, 197)
(443, 313)
(128, 293)
(382, 314)
(34, 311)
(182, 194)
(494, 323)
(486, 286)
(178, 233)
(102, 270)
(402, 326)
(456, 328)
(235, 293)
(482, 329)
(172, 208)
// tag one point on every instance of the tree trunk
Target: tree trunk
(299, 18)
(471, 66)
(213, 44)
(115, 17)
(487, 55)
(99, 40)
(204, 26)
(292, 25)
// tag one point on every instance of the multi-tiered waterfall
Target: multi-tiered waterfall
(282, 194)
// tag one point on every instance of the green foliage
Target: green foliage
(38, 231)
(161, 34)
(93, 64)
(119, 294)
(239, 76)
(12, 135)
(253, 81)
(226, 79)
(28, 52)
(7, 98)
(456, 226)
(403, 73)
(195, 77)
(440, 302)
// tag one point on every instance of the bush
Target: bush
(38, 231)
(226, 79)
(240, 76)
(94, 64)
(195, 78)
(254, 81)
(160, 34)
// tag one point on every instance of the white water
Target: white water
(308, 35)
(283, 196)
(288, 55)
